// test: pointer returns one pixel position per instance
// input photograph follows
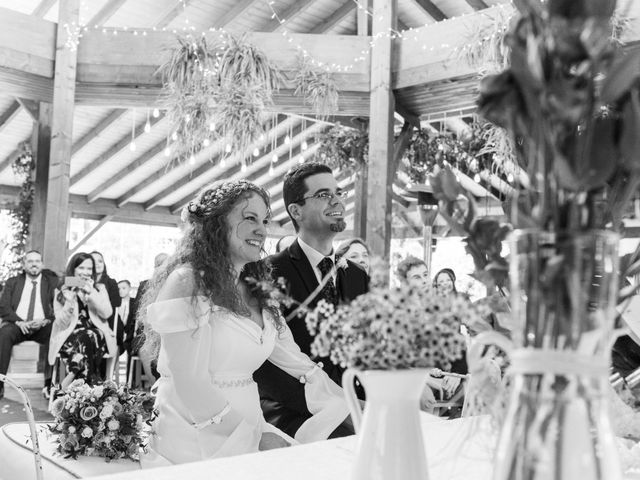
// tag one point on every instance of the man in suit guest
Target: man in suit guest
(26, 310)
(315, 204)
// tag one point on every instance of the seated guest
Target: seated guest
(103, 277)
(81, 332)
(445, 282)
(26, 311)
(414, 272)
(355, 250)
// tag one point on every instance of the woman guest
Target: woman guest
(213, 328)
(445, 282)
(103, 277)
(357, 251)
(80, 332)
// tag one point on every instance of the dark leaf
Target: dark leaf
(622, 75)
(630, 139)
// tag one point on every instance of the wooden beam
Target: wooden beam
(80, 208)
(120, 145)
(124, 172)
(41, 147)
(335, 18)
(105, 13)
(101, 223)
(379, 186)
(57, 218)
(362, 19)
(11, 111)
(238, 9)
(97, 130)
(43, 8)
(477, 4)
(430, 7)
(29, 106)
(171, 13)
(294, 10)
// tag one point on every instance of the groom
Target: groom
(315, 204)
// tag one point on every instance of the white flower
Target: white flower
(106, 411)
(72, 429)
(87, 432)
(98, 391)
(113, 425)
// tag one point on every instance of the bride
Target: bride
(211, 331)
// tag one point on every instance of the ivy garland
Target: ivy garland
(347, 149)
(20, 216)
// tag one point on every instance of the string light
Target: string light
(156, 113)
(476, 178)
(304, 145)
(147, 126)
(206, 142)
(510, 177)
(256, 152)
(167, 152)
(223, 163)
(212, 127)
(192, 159)
(227, 148)
(174, 136)
(274, 158)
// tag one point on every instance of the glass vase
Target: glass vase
(563, 295)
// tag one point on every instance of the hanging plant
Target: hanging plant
(217, 91)
(344, 148)
(20, 216)
(485, 46)
(317, 86)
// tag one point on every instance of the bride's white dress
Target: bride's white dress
(217, 353)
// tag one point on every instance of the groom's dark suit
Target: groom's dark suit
(282, 396)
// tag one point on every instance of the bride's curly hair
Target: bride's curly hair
(205, 248)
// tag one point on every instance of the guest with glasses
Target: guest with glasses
(315, 204)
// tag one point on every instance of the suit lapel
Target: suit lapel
(342, 284)
(19, 289)
(301, 263)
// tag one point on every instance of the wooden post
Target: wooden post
(381, 168)
(360, 209)
(41, 146)
(64, 87)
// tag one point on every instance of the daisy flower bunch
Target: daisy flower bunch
(390, 329)
(106, 420)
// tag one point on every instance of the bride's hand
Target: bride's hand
(271, 440)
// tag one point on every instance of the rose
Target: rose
(87, 432)
(88, 412)
(113, 425)
(98, 391)
(106, 412)
(117, 408)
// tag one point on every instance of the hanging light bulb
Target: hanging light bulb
(271, 172)
(510, 178)
(227, 148)
(206, 142)
(301, 161)
(243, 168)
(256, 152)
(156, 113)
(223, 163)
(261, 137)
(174, 136)
(287, 140)
(187, 118)
(147, 127)
(132, 146)
(476, 178)
(274, 158)
(212, 127)
(304, 145)
(192, 159)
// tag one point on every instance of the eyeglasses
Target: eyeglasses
(327, 196)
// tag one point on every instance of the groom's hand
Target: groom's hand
(270, 440)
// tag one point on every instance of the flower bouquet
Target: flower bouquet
(105, 421)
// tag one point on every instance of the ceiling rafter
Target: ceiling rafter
(234, 169)
(297, 8)
(10, 112)
(431, 8)
(107, 11)
(147, 156)
(31, 107)
(477, 4)
(43, 8)
(111, 118)
(116, 148)
(238, 9)
(335, 18)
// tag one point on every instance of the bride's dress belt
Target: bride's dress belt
(235, 382)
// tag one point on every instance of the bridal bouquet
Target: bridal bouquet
(390, 329)
(105, 421)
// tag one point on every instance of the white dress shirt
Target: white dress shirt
(123, 310)
(23, 307)
(315, 257)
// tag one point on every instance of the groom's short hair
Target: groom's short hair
(295, 188)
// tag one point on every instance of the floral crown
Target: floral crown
(212, 197)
